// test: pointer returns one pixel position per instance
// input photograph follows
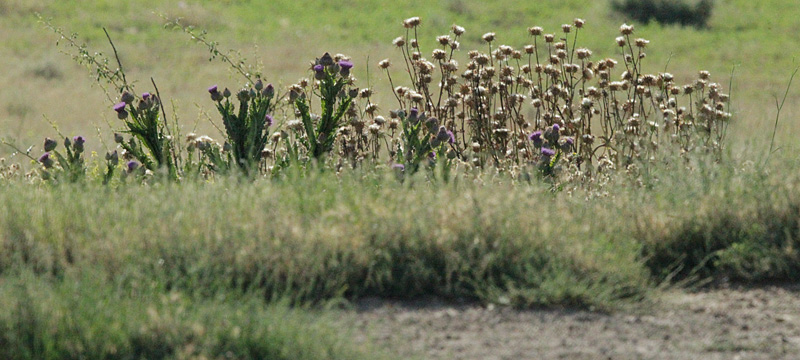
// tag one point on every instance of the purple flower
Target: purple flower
(213, 89)
(145, 96)
(120, 107)
(46, 160)
(398, 167)
(536, 137)
(268, 120)
(452, 137)
(556, 127)
(49, 144)
(432, 155)
(77, 143)
(319, 72)
(345, 65)
(547, 152)
(132, 165)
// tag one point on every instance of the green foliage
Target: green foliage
(247, 132)
(683, 12)
(88, 319)
(335, 100)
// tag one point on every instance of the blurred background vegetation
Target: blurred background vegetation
(281, 37)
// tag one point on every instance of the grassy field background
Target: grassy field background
(281, 37)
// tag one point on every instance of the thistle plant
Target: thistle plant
(70, 166)
(150, 144)
(335, 97)
(503, 95)
(246, 130)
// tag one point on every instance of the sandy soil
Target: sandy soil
(730, 323)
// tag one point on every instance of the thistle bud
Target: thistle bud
(49, 144)
(77, 143)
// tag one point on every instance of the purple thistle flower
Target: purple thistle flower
(536, 137)
(120, 107)
(49, 144)
(556, 127)
(398, 167)
(46, 160)
(268, 120)
(213, 89)
(319, 72)
(452, 137)
(432, 155)
(132, 165)
(345, 65)
(145, 96)
(547, 152)
(77, 143)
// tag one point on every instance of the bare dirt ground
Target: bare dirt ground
(727, 323)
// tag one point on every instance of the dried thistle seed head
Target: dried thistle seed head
(295, 125)
(642, 43)
(704, 75)
(439, 54)
(529, 49)
(416, 55)
(365, 93)
(626, 29)
(610, 63)
(414, 43)
(393, 124)
(399, 41)
(370, 108)
(374, 129)
(458, 30)
(583, 53)
(443, 40)
(588, 74)
(488, 37)
(560, 45)
(411, 22)
(535, 30)
(566, 28)
(506, 50)
(579, 22)
(384, 64)
(549, 38)
(380, 120)
(621, 41)
(455, 45)
(562, 54)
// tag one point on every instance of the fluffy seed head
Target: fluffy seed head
(411, 22)
(535, 31)
(488, 37)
